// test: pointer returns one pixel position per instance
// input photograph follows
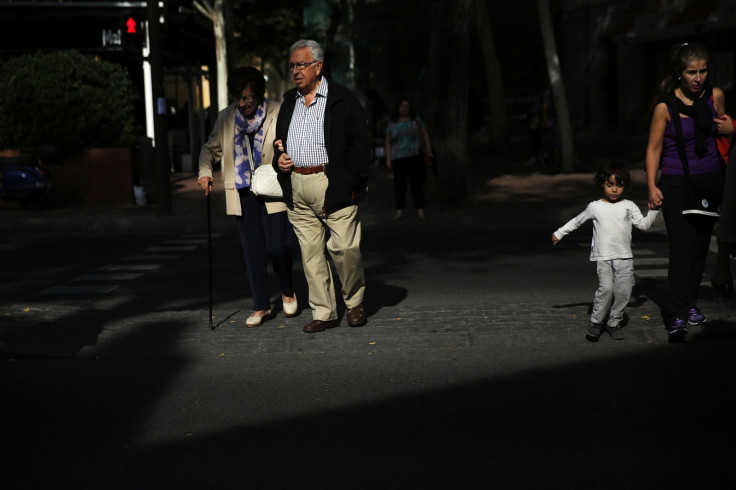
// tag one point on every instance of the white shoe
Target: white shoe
(256, 320)
(290, 308)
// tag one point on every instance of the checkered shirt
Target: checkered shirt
(306, 138)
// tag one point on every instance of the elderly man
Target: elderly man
(322, 159)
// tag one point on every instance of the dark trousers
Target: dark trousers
(409, 171)
(727, 224)
(265, 237)
(689, 239)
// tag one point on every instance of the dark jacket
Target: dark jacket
(348, 147)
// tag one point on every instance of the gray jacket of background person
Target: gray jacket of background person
(220, 146)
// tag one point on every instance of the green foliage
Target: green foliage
(267, 28)
(72, 100)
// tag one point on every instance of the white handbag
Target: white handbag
(264, 179)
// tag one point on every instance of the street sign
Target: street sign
(111, 38)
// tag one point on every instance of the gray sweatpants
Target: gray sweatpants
(615, 282)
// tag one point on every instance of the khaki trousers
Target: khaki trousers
(343, 244)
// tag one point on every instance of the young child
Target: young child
(612, 218)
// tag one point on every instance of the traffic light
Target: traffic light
(132, 33)
(131, 25)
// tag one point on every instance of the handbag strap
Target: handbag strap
(250, 153)
(680, 139)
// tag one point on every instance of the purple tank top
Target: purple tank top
(671, 164)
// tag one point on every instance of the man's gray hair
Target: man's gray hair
(317, 53)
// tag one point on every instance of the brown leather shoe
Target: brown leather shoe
(319, 325)
(356, 316)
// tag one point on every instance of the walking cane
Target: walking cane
(209, 246)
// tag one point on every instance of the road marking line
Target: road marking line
(198, 241)
(131, 267)
(170, 249)
(108, 277)
(152, 257)
(81, 289)
(214, 235)
(651, 273)
(651, 261)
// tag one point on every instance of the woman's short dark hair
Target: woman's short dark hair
(613, 169)
(395, 110)
(239, 79)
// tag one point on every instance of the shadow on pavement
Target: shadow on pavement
(657, 420)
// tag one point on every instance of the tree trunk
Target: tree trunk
(447, 97)
(337, 8)
(216, 16)
(351, 40)
(223, 99)
(558, 87)
(500, 137)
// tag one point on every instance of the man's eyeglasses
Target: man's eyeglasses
(247, 100)
(301, 66)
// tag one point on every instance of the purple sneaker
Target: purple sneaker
(677, 329)
(694, 317)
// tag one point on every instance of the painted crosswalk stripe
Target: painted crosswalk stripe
(651, 261)
(129, 272)
(81, 289)
(153, 257)
(171, 249)
(108, 277)
(651, 273)
(198, 241)
(131, 267)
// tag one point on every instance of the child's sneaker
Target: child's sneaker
(615, 332)
(677, 329)
(593, 332)
(694, 317)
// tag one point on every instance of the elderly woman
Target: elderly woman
(244, 129)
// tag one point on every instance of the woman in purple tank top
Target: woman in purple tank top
(700, 108)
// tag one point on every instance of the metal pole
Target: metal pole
(209, 246)
(163, 170)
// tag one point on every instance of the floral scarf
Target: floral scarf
(242, 129)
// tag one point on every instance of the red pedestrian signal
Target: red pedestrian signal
(132, 34)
